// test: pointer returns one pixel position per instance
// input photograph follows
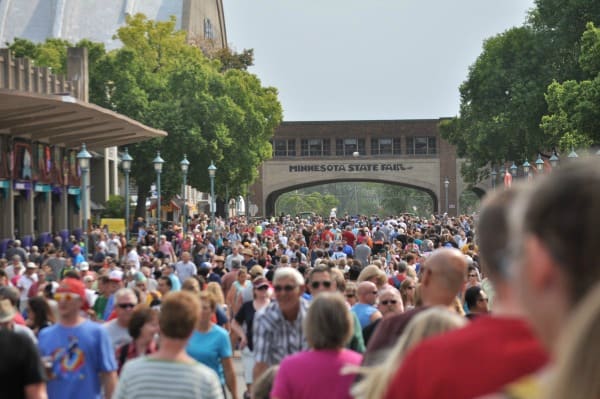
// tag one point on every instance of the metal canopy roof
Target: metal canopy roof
(67, 122)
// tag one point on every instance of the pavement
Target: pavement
(239, 373)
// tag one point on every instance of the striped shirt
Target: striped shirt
(275, 337)
(146, 377)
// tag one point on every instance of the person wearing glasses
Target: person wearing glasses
(245, 318)
(322, 279)
(477, 302)
(78, 354)
(365, 308)
(277, 330)
(390, 302)
(117, 328)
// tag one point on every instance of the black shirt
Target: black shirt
(246, 315)
(20, 365)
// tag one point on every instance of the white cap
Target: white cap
(31, 265)
(115, 275)
(84, 266)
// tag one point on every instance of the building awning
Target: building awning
(63, 120)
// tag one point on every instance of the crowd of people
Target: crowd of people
(499, 304)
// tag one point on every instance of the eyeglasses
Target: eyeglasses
(317, 284)
(262, 288)
(65, 296)
(126, 305)
(286, 288)
(390, 302)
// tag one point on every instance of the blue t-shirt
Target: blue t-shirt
(78, 354)
(364, 312)
(210, 348)
(176, 284)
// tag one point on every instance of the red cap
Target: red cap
(73, 286)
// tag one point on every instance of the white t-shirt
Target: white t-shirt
(24, 284)
(118, 335)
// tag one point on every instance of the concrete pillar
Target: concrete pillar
(29, 204)
(7, 204)
(63, 210)
(45, 213)
(77, 71)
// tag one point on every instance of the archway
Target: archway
(423, 195)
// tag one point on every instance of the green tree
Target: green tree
(213, 109)
(502, 102)
(114, 207)
(573, 118)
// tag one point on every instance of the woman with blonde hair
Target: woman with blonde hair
(575, 374)
(430, 322)
(408, 289)
(373, 274)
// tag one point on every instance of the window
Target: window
(421, 145)
(315, 147)
(347, 147)
(284, 148)
(208, 29)
(385, 146)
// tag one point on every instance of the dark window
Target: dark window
(385, 146)
(208, 29)
(421, 145)
(347, 147)
(284, 148)
(315, 147)
(397, 146)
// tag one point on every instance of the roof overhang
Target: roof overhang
(67, 122)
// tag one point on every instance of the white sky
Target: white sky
(376, 59)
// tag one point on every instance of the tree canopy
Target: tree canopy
(212, 110)
(513, 104)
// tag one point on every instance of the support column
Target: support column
(7, 203)
(29, 202)
(45, 215)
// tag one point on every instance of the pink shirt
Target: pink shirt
(315, 374)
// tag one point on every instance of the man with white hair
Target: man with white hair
(277, 330)
(125, 301)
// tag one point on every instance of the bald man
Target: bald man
(365, 308)
(443, 276)
(493, 349)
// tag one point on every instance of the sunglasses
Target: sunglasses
(390, 302)
(126, 305)
(262, 288)
(350, 295)
(317, 284)
(286, 288)
(65, 296)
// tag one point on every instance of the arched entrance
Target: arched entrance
(272, 197)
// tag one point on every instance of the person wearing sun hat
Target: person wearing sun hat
(79, 352)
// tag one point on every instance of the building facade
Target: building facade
(410, 153)
(44, 120)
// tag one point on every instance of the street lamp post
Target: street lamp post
(185, 165)
(572, 154)
(554, 160)
(212, 170)
(356, 154)
(126, 160)
(83, 157)
(494, 175)
(526, 168)
(446, 185)
(513, 169)
(158, 164)
(539, 163)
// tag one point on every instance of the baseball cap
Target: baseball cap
(83, 266)
(260, 282)
(31, 265)
(73, 286)
(115, 275)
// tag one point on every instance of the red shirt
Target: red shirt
(349, 237)
(469, 362)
